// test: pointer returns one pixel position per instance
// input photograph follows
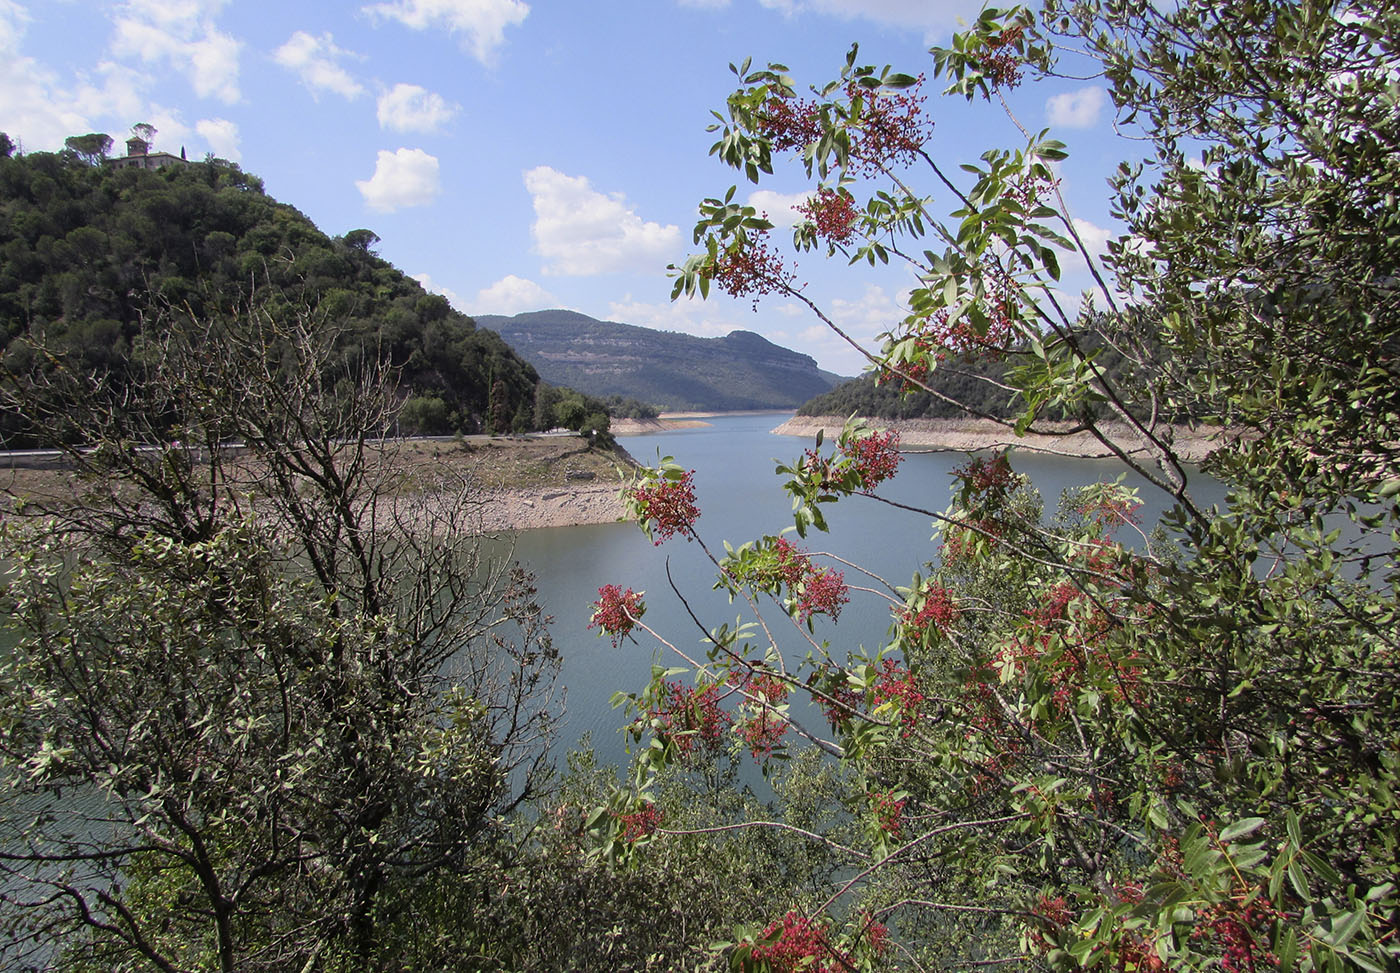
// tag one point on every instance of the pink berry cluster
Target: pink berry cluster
(801, 945)
(690, 718)
(616, 612)
(753, 270)
(764, 729)
(859, 463)
(936, 614)
(1109, 512)
(666, 505)
(816, 590)
(896, 684)
(875, 458)
(641, 823)
(823, 592)
(832, 213)
(884, 128)
(889, 812)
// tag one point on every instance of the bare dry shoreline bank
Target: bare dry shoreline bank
(534, 482)
(1192, 443)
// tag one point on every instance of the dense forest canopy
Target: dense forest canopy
(87, 248)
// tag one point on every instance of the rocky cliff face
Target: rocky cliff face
(676, 371)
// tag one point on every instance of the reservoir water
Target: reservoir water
(740, 499)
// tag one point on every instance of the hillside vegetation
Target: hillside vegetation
(87, 249)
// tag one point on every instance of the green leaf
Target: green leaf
(1241, 828)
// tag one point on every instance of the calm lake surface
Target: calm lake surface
(740, 499)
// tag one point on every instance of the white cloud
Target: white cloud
(316, 62)
(408, 177)
(118, 93)
(705, 319)
(512, 295)
(222, 136)
(409, 108)
(864, 319)
(33, 111)
(580, 231)
(183, 33)
(928, 15)
(482, 22)
(1095, 239)
(781, 208)
(1076, 109)
(432, 287)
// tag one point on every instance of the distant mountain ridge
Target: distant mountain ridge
(667, 369)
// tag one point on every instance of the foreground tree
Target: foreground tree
(1173, 752)
(265, 678)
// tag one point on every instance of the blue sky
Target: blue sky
(514, 155)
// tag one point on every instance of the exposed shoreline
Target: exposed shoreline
(1191, 443)
(642, 427)
(575, 506)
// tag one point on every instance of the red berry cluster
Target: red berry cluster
(764, 729)
(1241, 932)
(616, 611)
(802, 945)
(815, 590)
(859, 463)
(940, 337)
(823, 592)
(793, 562)
(690, 718)
(667, 504)
(843, 701)
(936, 614)
(991, 479)
(883, 128)
(960, 543)
(832, 213)
(1002, 63)
(790, 123)
(875, 458)
(1109, 511)
(753, 270)
(762, 732)
(892, 129)
(877, 936)
(757, 681)
(640, 824)
(1055, 603)
(912, 375)
(1053, 915)
(896, 684)
(889, 813)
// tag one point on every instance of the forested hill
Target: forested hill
(982, 383)
(965, 384)
(87, 248)
(740, 371)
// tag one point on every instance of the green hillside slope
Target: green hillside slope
(86, 249)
